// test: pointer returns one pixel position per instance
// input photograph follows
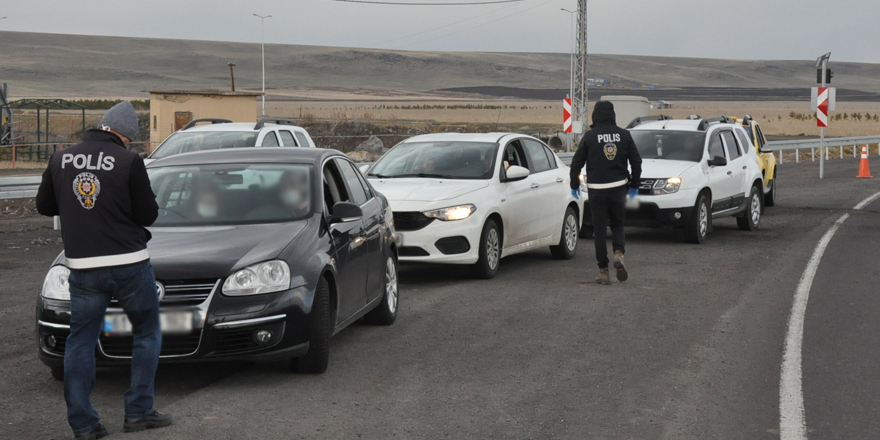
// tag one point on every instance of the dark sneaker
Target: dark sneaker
(618, 264)
(152, 421)
(604, 277)
(99, 432)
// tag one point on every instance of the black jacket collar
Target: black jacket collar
(95, 135)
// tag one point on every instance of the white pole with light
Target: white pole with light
(263, 51)
(822, 63)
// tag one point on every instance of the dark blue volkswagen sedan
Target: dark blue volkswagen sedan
(259, 254)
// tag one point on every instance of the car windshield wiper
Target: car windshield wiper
(436, 176)
(381, 176)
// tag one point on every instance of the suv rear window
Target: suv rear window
(183, 142)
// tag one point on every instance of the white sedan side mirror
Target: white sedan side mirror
(364, 168)
(516, 173)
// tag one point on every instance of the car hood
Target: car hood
(424, 189)
(663, 169)
(214, 252)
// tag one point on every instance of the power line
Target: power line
(478, 26)
(442, 27)
(372, 2)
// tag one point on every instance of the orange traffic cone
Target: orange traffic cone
(864, 171)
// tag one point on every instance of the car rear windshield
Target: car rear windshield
(670, 145)
(183, 142)
(209, 195)
(445, 160)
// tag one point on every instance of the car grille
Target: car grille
(410, 221)
(183, 292)
(412, 251)
(646, 186)
(172, 345)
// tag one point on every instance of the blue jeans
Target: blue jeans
(134, 286)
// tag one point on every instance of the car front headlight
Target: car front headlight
(666, 186)
(268, 277)
(452, 213)
(55, 285)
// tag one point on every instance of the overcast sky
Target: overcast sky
(743, 29)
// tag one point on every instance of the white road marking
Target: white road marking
(792, 422)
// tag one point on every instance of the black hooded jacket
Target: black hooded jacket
(102, 192)
(606, 150)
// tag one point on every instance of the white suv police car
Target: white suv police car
(693, 171)
(223, 133)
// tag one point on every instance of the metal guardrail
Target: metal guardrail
(19, 187)
(814, 143)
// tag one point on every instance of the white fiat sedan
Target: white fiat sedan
(477, 198)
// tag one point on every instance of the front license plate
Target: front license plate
(117, 324)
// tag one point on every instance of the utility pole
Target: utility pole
(263, 50)
(580, 98)
(232, 74)
(571, 76)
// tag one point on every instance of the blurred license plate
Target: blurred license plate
(117, 324)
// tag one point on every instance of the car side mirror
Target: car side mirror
(143, 155)
(515, 173)
(346, 212)
(364, 168)
(717, 161)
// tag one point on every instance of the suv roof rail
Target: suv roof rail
(643, 119)
(280, 121)
(705, 123)
(211, 120)
(693, 117)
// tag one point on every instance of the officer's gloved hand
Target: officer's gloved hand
(576, 193)
(633, 192)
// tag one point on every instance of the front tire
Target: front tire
(770, 197)
(321, 322)
(58, 373)
(697, 227)
(386, 312)
(490, 251)
(750, 220)
(567, 247)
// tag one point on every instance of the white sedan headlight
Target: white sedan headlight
(55, 285)
(268, 277)
(452, 213)
(666, 186)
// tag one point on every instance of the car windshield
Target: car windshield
(236, 194)
(183, 142)
(670, 145)
(445, 160)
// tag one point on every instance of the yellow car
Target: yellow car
(766, 159)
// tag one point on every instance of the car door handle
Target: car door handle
(560, 180)
(535, 185)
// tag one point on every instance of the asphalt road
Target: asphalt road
(689, 348)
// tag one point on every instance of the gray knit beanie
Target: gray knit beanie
(122, 119)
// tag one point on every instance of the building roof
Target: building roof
(203, 92)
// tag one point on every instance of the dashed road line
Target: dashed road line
(792, 421)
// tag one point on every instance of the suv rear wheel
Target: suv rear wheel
(750, 219)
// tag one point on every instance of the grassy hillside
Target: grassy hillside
(51, 65)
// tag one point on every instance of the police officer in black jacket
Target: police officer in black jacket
(102, 192)
(606, 150)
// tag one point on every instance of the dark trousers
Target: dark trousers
(608, 207)
(134, 287)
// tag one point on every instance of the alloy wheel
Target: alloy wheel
(571, 232)
(704, 219)
(755, 208)
(391, 284)
(492, 248)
